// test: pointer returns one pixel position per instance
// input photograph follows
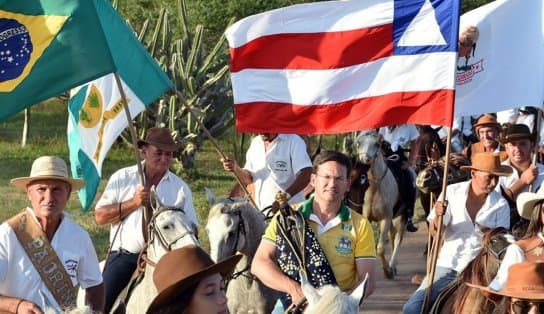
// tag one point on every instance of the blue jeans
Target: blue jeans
(442, 277)
(118, 271)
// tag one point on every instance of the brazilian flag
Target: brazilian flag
(48, 47)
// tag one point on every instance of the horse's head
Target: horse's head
(368, 146)
(496, 241)
(169, 228)
(329, 298)
(430, 179)
(230, 220)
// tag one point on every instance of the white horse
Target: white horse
(168, 229)
(330, 299)
(236, 226)
(380, 198)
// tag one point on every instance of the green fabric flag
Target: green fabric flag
(48, 47)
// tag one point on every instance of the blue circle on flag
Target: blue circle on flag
(15, 48)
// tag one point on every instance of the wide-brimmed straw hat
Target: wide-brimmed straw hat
(488, 120)
(48, 168)
(526, 203)
(525, 281)
(516, 132)
(488, 162)
(161, 138)
(182, 268)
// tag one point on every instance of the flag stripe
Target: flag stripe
(346, 116)
(318, 87)
(312, 18)
(323, 50)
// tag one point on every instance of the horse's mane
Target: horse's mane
(333, 301)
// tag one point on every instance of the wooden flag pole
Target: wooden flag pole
(438, 238)
(536, 129)
(216, 146)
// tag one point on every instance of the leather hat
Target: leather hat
(525, 281)
(516, 132)
(488, 162)
(161, 138)
(180, 269)
(48, 168)
(488, 120)
(525, 203)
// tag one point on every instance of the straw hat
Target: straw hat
(488, 120)
(180, 269)
(526, 203)
(525, 281)
(488, 162)
(516, 132)
(161, 138)
(48, 168)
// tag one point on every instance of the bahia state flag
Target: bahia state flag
(96, 112)
(341, 66)
(48, 47)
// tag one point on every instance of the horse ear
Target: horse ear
(308, 290)
(359, 292)
(153, 199)
(210, 196)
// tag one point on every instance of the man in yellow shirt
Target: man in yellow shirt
(345, 237)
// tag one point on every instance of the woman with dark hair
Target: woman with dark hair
(531, 246)
(189, 282)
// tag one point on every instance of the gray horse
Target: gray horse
(236, 226)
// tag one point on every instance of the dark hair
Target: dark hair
(180, 303)
(332, 155)
(535, 225)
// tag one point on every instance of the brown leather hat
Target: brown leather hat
(488, 120)
(179, 269)
(516, 132)
(525, 281)
(488, 162)
(161, 138)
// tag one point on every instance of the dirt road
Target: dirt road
(390, 295)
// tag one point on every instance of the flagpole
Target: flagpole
(536, 130)
(216, 145)
(438, 237)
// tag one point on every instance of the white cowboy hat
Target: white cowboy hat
(48, 168)
(526, 203)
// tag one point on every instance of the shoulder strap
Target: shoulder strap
(44, 258)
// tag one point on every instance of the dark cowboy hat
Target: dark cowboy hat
(516, 132)
(525, 281)
(488, 120)
(161, 138)
(488, 162)
(48, 168)
(182, 268)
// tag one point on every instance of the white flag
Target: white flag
(506, 69)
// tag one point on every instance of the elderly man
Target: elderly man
(488, 130)
(124, 200)
(470, 205)
(43, 253)
(337, 238)
(274, 163)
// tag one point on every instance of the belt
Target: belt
(122, 252)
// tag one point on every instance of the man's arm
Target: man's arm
(18, 305)
(364, 266)
(94, 297)
(230, 165)
(302, 180)
(265, 268)
(527, 177)
(113, 213)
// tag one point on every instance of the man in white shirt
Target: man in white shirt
(123, 202)
(22, 289)
(470, 204)
(274, 163)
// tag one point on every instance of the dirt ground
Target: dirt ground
(390, 295)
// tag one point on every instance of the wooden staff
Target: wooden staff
(431, 266)
(536, 131)
(215, 145)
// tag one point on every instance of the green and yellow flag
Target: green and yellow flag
(48, 47)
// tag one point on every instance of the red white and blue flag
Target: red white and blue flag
(341, 66)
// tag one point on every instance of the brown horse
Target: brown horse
(459, 298)
(358, 185)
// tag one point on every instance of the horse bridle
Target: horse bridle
(152, 230)
(241, 230)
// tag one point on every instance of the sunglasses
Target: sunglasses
(523, 306)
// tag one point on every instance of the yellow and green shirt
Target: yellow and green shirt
(344, 239)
